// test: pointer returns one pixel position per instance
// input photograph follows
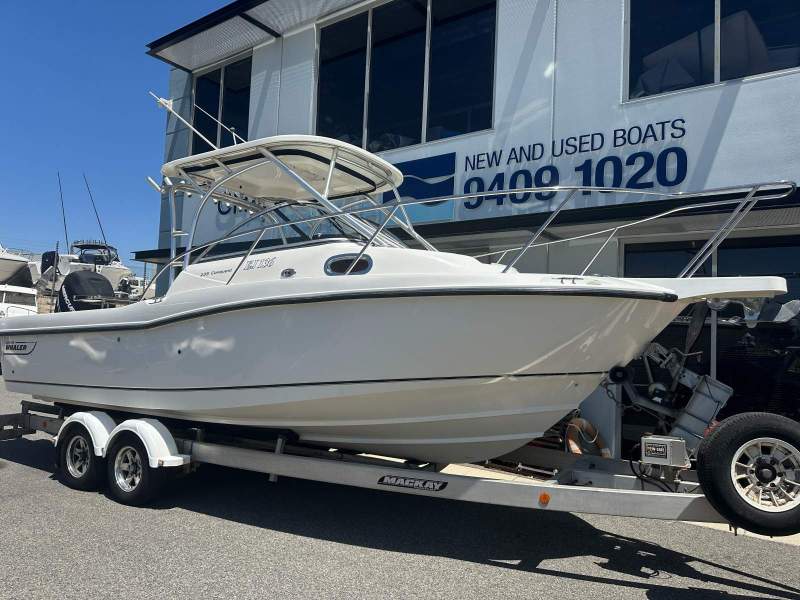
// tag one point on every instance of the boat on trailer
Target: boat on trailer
(310, 317)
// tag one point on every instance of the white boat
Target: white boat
(10, 263)
(326, 325)
(16, 301)
(86, 255)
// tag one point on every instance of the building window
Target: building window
(222, 96)
(342, 62)
(673, 43)
(383, 55)
(758, 37)
(462, 58)
(397, 73)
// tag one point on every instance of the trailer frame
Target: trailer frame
(582, 484)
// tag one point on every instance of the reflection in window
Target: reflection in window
(342, 64)
(232, 83)
(671, 45)
(461, 67)
(757, 37)
(206, 97)
(236, 101)
(397, 71)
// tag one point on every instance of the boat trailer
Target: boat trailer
(139, 452)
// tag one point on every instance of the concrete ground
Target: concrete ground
(227, 533)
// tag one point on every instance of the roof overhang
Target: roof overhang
(236, 28)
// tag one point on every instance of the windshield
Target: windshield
(19, 298)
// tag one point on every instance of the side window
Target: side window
(671, 45)
(222, 96)
(758, 37)
(381, 54)
(461, 67)
(340, 93)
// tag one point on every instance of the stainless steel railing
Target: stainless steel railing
(745, 199)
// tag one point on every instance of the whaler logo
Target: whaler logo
(428, 485)
(19, 348)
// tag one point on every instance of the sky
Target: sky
(74, 100)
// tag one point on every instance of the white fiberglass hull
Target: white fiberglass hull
(450, 378)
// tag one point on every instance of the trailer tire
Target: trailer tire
(131, 480)
(748, 466)
(78, 466)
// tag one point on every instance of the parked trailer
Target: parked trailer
(131, 456)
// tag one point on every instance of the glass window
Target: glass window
(461, 67)
(662, 260)
(232, 82)
(757, 37)
(21, 299)
(461, 50)
(206, 97)
(776, 256)
(397, 72)
(342, 68)
(671, 45)
(236, 101)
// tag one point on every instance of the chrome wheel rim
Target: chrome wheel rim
(128, 469)
(766, 474)
(78, 456)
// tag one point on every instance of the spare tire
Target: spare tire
(749, 467)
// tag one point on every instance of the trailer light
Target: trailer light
(544, 499)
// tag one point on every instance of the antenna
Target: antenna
(167, 104)
(88, 189)
(63, 214)
(221, 124)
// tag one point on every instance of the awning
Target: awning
(235, 28)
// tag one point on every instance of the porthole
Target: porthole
(338, 265)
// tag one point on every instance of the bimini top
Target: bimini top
(357, 171)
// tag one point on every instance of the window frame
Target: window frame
(221, 65)
(626, 61)
(368, 7)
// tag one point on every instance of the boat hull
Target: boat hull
(454, 378)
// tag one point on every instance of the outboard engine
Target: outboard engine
(84, 290)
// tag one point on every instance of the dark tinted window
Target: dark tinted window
(757, 37)
(236, 100)
(342, 68)
(461, 67)
(671, 45)
(662, 260)
(777, 256)
(21, 299)
(397, 72)
(206, 96)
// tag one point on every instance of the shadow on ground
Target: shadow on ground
(505, 537)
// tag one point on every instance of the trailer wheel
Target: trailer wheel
(78, 467)
(749, 467)
(131, 480)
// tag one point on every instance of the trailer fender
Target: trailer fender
(97, 423)
(162, 451)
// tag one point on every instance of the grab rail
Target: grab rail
(768, 191)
